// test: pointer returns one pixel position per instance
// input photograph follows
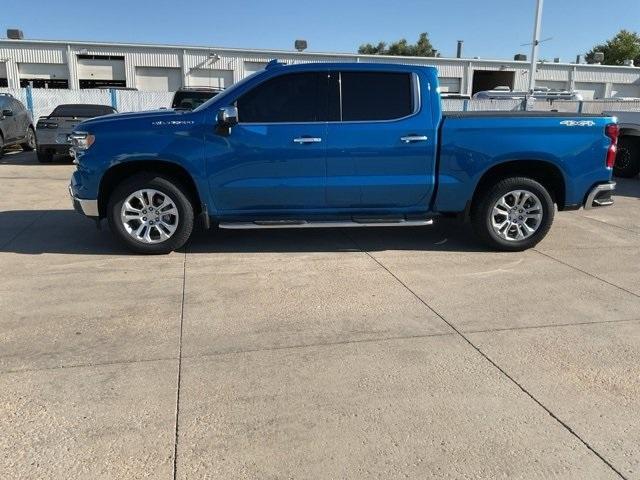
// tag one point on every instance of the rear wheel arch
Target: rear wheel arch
(546, 173)
(167, 169)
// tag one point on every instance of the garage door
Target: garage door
(43, 75)
(253, 67)
(590, 90)
(551, 84)
(625, 90)
(42, 70)
(3, 74)
(449, 85)
(100, 69)
(210, 78)
(155, 79)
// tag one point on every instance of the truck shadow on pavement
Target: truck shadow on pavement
(34, 232)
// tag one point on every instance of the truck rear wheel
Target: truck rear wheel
(628, 157)
(150, 214)
(513, 214)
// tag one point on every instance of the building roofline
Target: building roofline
(254, 51)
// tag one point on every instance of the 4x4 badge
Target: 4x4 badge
(578, 123)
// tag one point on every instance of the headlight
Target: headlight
(81, 140)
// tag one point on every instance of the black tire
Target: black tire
(628, 157)
(44, 156)
(481, 213)
(167, 186)
(32, 142)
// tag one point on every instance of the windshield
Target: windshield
(82, 110)
(227, 91)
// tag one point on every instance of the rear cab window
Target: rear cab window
(82, 110)
(190, 100)
(376, 96)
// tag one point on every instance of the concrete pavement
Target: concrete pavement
(381, 353)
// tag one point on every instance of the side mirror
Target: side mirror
(7, 112)
(227, 117)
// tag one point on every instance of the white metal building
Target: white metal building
(79, 65)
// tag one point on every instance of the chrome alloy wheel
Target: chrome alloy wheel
(516, 215)
(149, 216)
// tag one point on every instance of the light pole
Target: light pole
(534, 46)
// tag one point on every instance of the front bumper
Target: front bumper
(86, 207)
(600, 195)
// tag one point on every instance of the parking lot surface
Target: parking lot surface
(367, 353)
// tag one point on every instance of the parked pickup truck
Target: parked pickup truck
(338, 145)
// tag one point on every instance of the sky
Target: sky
(489, 28)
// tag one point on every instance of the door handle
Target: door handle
(414, 138)
(301, 140)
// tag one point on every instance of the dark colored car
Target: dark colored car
(52, 131)
(189, 98)
(16, 125)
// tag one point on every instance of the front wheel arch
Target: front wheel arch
(120, 172)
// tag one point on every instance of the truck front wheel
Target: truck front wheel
(150, 214)
(513, 214)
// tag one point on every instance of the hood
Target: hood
(147, 118)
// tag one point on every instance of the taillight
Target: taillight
(612, 131)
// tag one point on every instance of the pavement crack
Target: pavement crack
(317, 344)
(179, 376)
(551, 257)
(492, 362)
(609, 224)
(551, 325)
(85, 365)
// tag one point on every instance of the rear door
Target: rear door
(381, 153)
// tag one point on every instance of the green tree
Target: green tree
(624, 46)
(422, 48)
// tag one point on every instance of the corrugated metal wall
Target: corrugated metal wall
(13, 52)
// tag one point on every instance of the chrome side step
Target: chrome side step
(323, 224)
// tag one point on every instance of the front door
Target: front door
(381, 155)
(274, 159)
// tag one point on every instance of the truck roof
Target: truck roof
(385, 67)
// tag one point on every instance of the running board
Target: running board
(323, 224)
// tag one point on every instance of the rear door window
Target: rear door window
(290, 98)
(370, 96)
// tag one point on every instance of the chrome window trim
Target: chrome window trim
(417, 105)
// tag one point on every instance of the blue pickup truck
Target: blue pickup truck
(338, 145)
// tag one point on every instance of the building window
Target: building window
(3, 83)
(100, 57)
(44, 83)
(102, 83)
